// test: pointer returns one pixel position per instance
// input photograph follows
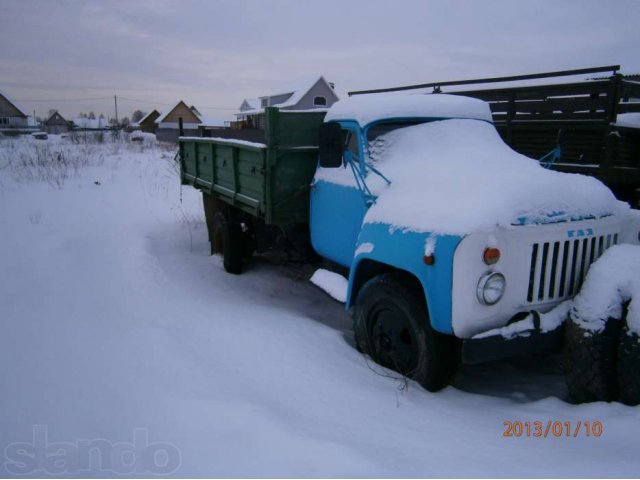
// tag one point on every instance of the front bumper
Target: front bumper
(523, 336)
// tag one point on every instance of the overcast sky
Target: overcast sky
(215, 53)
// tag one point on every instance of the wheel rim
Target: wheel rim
(394, 343)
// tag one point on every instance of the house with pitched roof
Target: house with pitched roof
(148, 122)
(309, 94)
(168, 122)
(13, 119)
(56, 124)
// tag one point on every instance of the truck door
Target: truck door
(337, 206)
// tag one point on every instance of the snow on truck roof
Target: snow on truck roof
(368, 108)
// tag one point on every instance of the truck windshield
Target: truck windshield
(380, 129)
(376, 136)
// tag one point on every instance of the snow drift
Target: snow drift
(613, 280)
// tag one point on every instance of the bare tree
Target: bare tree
(138, 115)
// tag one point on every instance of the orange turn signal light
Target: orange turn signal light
(429, 259)
(491, 256)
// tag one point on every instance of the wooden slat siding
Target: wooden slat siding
(583, 145)
(550, 105)
(510, 112)
(628, 148)
(609, 141)
(569, 90)
(529, 118)
(630, 89)
(628, 107)
(593, 117)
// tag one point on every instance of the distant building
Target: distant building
(148, 122)
(13, 120)
(311, 94)
(245, 117)
(211, 127)
(90, 124)
(56, 124)
(168, 122)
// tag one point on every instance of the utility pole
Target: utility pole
(115, 99)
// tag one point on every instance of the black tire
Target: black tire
(217, 238)
(590, 360)
(228, 240)
(391, 325)
(629, 367)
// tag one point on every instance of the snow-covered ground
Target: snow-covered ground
(121, 336)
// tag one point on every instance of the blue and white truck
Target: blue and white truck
(446, 233)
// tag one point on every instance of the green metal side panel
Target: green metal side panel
(271, 181)
(231, 172)
(299, 128)
(291, 180)
(189, 160)
(292, 139)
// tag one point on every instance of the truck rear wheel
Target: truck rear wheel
(590, 361)
(391, 325)
(228, 240)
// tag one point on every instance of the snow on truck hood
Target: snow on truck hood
(458, 176)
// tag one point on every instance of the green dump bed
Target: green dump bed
(268, 180)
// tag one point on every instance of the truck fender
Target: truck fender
(381, 249)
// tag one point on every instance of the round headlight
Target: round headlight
(491, 288)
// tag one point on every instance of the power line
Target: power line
(63, 99)
(145, 101)
(121, 98)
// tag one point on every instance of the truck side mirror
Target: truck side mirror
(331, 145)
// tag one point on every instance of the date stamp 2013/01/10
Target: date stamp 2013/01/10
(552, 428)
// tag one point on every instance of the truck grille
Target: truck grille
(559, 268)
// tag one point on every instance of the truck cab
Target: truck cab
(448, 233)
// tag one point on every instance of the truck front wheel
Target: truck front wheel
(391, 325)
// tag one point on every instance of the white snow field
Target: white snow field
(121, 336)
